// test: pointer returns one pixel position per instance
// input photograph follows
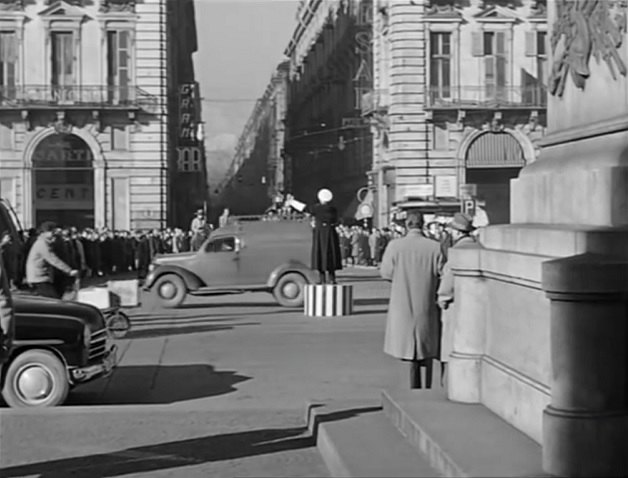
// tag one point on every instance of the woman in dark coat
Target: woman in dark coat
(326, 255)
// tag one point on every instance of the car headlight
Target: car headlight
(151, 267)
(87, 336)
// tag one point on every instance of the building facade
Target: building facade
(187, 186)
(84, 130)
(256, 174)
(458, 103)
(328, 143)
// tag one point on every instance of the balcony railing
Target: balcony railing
(48, 96)
(486, 97)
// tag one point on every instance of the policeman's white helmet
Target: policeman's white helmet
(325, 195)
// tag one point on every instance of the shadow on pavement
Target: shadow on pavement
(152, 385)
(370, 312)
(213, 305)
(373, 301)
(195, 451)
(145, 331)
(164, 456)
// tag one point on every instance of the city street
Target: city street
(216, 388)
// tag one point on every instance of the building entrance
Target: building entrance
(492, 160)
(63, 181)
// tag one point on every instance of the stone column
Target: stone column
(464, 366)
(585, 427)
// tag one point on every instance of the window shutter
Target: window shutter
(500, 40)
(489, 69)
(530, 43)
(477, 44)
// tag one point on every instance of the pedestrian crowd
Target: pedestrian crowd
(102, 252)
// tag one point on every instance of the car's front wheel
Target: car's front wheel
(290, 289)
(170, 290)
(35, 378)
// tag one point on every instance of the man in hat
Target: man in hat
(198, 230)
(42, 261)
(462, 229)
(326, 254)
(413, 263)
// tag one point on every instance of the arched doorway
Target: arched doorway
(63, 181)
(491, 161)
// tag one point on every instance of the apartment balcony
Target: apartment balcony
(42, 97)
(485, 97)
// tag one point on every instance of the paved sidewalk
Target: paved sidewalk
(216, 388)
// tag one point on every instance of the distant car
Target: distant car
(271, 256)
(58, 345)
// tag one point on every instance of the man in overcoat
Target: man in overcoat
(413, 263)
(326, 255)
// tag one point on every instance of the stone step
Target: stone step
(461, 440)
(356, 439)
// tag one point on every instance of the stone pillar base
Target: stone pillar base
(579, 444)
(463, 378)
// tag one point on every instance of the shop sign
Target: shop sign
(64, 196)
(446, 186)
(416, 190)
(188, 121)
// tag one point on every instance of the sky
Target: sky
(240, 44)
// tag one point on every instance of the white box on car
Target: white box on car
(127, 290)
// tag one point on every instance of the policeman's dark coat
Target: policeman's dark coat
(326, 254)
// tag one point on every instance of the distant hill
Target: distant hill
(218, 162)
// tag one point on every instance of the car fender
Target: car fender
(192, 281)
(292, 266)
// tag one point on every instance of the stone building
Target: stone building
(84, 111)
(458, 102)
(256, 173)
(328, 143)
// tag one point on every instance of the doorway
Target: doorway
(63, 181)
(492, 160)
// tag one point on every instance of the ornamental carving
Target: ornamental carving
(11, 5)
(109, 6)
(585, 28)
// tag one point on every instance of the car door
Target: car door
(217, 262)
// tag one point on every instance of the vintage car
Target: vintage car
(57, 345)
(252, 255)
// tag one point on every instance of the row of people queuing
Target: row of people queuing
(97, 253)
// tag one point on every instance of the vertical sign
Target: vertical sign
(188, 151)
(188, 120)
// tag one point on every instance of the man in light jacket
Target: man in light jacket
(7, 313)
(413, 263)
(42, 260)
(462, 229)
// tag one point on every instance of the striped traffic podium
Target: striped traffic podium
(328, 300)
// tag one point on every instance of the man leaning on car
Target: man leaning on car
(7, 315)
(40, 262)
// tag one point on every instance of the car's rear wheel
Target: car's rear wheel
(170, 290)
(35, 378)
(290, 289)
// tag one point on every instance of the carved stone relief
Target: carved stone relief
(583, 29)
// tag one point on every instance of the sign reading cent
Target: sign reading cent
(64, 196)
